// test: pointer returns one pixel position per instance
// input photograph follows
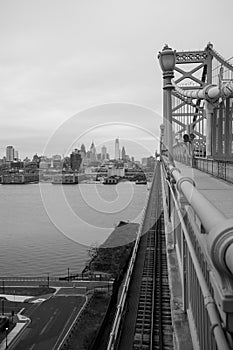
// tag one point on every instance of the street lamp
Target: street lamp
(167, 60)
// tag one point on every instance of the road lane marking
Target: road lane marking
(47, 324)
(58, 340)
(64, 337)
(32, 347)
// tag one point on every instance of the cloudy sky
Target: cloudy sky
(81, 70)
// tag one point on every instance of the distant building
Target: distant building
(93, 155)
(117, 149)
(144, 161)
(151, 163)
(99, 156)
(88, 154)
(44, 164)
(75, 160)
(9, 153)
(104, 152)
(16, 155)
(36, 158)
(26, 160)
(83, 151)
(116, 172)
(66, 163)
(56, 161)
(123, 153)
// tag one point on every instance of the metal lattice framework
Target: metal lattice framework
(195, 73)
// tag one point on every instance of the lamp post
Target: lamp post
(167, 60)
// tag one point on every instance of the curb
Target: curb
(12, 341)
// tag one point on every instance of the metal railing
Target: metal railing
(203, 239)
(219, 168)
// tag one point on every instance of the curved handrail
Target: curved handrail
(218, 227)
(208, 300)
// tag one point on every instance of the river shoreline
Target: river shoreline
(118, 245)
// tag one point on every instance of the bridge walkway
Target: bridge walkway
(216, 190)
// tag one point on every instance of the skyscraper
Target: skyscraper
(93, 152)
(123, 153)
(83, 151)
(9, 153)
(117, 149)
(104, 152)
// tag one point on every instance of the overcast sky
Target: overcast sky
(80, 70)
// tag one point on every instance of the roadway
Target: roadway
(50, 322)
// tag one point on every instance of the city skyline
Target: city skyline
(12, 154)
(65, 138)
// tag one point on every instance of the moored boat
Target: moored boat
(65, 179)
(110, 181)
(141, 182)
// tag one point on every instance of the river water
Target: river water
(46, 229)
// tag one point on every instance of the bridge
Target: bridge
(178, 290)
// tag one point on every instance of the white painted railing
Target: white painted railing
(216, 224)
(203, 239)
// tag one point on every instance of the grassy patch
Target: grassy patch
(88, 324)
(110, 260)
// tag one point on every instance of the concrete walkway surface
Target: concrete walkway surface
(217, 191)
(23, 321)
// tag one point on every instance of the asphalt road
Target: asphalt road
(50, 322)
